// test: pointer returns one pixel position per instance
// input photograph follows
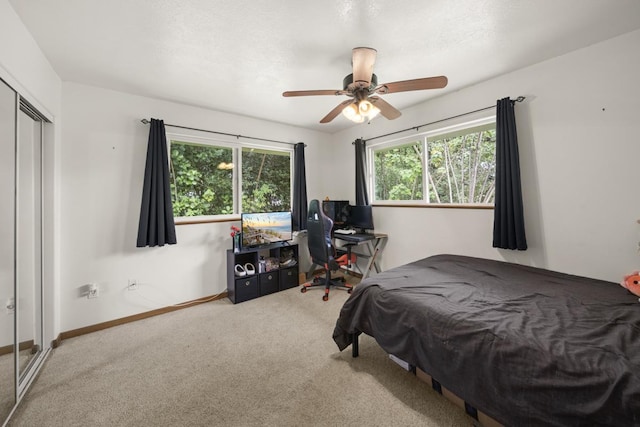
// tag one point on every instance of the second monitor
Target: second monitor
(360, 217)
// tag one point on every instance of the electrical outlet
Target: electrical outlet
(92, 291)
(11, 305)
(133, 284)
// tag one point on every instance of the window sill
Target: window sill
(205, 220)
(434, 205)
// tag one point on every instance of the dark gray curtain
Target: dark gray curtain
(361, 182)
(299, 206)
(156, 227)
(508, 220)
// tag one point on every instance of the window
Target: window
(266, 180)
(445, 166)
(201, 179)
(212, 178)
(398, 172)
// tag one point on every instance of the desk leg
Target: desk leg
(379, 247)
(374, 250)
(370, 248)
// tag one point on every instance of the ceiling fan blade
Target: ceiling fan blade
(334, 113)
(415, 84)
(312, 92)
(362, 61)
(387, 110)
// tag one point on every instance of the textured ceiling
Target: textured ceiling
(239, 56)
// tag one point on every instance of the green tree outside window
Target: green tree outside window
(266, 180)
(202, 179)
(460, 168)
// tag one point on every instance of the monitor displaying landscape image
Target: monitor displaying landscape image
(265, 228)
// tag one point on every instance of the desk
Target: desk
(373, 247)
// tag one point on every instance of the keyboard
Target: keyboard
(344, 231)
(356, 237)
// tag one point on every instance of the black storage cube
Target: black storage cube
(246, 289)
(288, 278)
(269, 282)
(280, 263)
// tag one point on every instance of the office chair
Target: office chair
(322, 251)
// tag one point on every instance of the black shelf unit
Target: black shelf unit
(278, 275)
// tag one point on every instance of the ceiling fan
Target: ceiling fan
(362, 89)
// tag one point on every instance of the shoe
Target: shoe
(288, 263)
(240, 271)
(250, 269)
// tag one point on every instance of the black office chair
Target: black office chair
(322, 251)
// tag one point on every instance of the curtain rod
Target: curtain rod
(518, 99)
(146, 122)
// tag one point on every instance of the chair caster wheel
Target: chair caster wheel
(325, 297)
(303, 289)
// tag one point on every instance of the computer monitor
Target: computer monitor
(337, 210)
(360, 217)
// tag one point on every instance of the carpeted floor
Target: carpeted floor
(265, 362)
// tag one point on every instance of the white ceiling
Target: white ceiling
(239, 56)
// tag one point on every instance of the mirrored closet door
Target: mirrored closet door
(29, 238)
(8, 120)
(22, 348)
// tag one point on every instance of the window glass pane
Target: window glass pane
(266, 180)
(201, 179)
(398, 172)
(462, 167)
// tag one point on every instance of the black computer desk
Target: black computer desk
(373, 245)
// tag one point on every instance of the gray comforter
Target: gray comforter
(526, 346)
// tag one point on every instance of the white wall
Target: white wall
(102, 168)
(25, 68)
(579, 150)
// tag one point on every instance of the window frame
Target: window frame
(236, 149)
(431, 132)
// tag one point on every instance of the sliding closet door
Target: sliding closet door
(29, 239)
(8, 111)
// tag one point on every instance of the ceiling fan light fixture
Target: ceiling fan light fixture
(365, 107)
(360, 111)
(352, 112)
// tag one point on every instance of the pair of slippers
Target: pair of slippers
(247, 270)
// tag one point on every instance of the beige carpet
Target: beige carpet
(265, 362)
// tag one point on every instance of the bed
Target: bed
(526, 346)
